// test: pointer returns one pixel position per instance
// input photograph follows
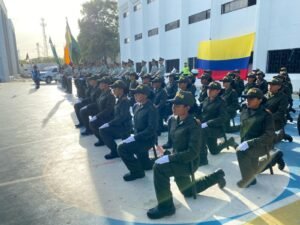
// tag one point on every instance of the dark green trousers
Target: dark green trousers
(181, 173)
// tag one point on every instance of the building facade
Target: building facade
(9, 63)
(172, 29)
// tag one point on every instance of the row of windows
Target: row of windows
(289, 58)
(173, 25)
(225, 8)
(236, 5)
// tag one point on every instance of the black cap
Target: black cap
(214, 86)
(254, 93)
(158, 80)
(134, 74)
(161, 59)
(183, 98)
(260, 73)
(105, 80)
(93, 78)
(141, 89)
(183, 79)
(147, 75)
(251, 75)
(119, 84)
(275, 81)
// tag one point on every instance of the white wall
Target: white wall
(275, 22)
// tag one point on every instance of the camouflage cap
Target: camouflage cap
(283, 69)
(141, 89)
(275, 81)
(214, 86)
(183, 98)
(254, 93)
(118, 84)
(227, 79)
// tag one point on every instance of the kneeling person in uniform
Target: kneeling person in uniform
(257, 136)
(134, 149)
(186, 138)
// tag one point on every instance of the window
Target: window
(192, 62)
(149, 1)
(126, 40)
(152, 32)
(138, 36)
(199, 16)
(289, 58)
(236, 4)
(172, 25)
(171, 64)
(125, 14)
(137, 6)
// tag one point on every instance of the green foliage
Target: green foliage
(99, 36)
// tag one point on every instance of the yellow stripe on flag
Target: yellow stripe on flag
(232, 48)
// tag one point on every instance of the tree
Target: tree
(99, 36)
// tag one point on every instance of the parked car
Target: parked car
(49, 74)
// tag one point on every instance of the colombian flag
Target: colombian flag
(223, 56)
(72, 50)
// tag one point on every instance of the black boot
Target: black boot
(278, 159)
(246, 184)
(160, 212)
(111, 156)
(220, 178)
(99, 143)
(78, 125)
(288, 137)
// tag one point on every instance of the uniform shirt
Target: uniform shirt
(162, 70)
(171, 90)
(160, 98)
(257, 129)
(213, 113)
(202, 93)
(232, 103)
(105, 105)
(277, 104)
(154, 69)
(186, 138)
(262, 85)
(144, 70)
(122, 117)
(145, 122)
(238, 86)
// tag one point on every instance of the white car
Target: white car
(48, 74)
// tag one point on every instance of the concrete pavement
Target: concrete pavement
(49, 174)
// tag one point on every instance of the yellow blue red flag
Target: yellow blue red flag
(223, 56)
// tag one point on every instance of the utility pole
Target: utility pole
(38, 50)
(43, 24)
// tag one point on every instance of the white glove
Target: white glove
(129, 139)
(92, 118)
(243, 146)
(162, 160)
(104, 126)
(204, 125)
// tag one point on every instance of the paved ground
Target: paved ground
(51, 175)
